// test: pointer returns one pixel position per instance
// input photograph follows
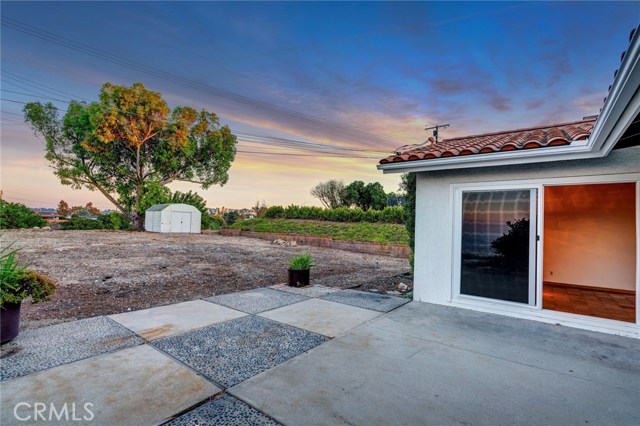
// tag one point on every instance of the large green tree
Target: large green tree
(369, 196)
(130, 142)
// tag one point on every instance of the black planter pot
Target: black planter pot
(299, 277)
(9, 321)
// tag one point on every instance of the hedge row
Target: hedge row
(391, 214)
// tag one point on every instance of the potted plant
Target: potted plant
(299, 270)
(18, 283)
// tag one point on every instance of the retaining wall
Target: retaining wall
(393, 250)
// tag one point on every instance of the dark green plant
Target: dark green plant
(274, 212)
(16, 216)
(18, 283)
(116, 221)
(231, 217)
(408, 186)
(82, 223)
(302, 262)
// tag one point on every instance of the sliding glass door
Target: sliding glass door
(498, 245)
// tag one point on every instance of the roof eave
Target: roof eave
(492, 159)
(617, 114)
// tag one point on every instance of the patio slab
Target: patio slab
(258, 300)
(135, 386)
(169, 320)
(235, 350)
(309, 291)
(224, 411)
(361, 299)
(321, 316)
(438, 365)
(47, 347)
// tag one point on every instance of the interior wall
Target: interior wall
(590, 235)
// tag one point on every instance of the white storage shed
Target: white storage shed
(179, 218)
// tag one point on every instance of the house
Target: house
(540, 223)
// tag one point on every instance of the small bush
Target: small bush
(16, 216)
(115, 220)
(391, 214)
(81, 223)
(216, 222)
(274, 212)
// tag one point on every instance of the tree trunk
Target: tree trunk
(138, 222)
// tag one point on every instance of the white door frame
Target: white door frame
(536, 311)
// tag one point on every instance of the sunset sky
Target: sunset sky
(343, 83)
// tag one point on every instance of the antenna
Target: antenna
(436, 128)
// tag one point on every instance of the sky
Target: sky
(314, 90)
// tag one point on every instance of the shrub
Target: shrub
(408, 185)
(115, 220)
(18, 283)
(391, 214)
(216, 222)
(231, 217)
(16, 216)
(81, 223)
(274, 212)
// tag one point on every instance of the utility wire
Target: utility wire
(269, 140)
(119, 60)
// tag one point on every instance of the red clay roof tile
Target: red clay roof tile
(512, 140)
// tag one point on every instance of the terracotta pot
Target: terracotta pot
(299, 277)
(9, 321)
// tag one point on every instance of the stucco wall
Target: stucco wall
(434, 210)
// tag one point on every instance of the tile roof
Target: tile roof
(531, 138)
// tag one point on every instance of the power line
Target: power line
(26, 81)
(275, 141)
(119, 60)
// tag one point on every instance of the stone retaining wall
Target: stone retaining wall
(393, 250)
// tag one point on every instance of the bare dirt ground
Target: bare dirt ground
(107, 272)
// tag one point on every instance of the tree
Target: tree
(408, 187)
(259, 209)
(63, 209)
(329, 193)
(16, 216)
(353, 194)
(374, 197)
(231, 217)
(369, 196)
(513, 246)
(130, 140)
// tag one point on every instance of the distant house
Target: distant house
(46, 213)
(540, 223)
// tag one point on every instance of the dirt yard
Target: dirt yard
(106, 272)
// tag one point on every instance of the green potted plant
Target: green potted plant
(300, 270)
(18, 283)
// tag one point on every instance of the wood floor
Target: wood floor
(596, 303)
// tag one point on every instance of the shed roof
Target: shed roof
(171, 206)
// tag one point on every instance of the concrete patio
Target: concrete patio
(318, 356)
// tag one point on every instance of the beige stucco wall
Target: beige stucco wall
(434, 210)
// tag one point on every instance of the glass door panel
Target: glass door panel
(498, 245)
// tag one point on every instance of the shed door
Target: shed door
(180, 222)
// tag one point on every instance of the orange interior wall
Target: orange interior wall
(590, 235)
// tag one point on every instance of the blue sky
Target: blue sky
(357, 75)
